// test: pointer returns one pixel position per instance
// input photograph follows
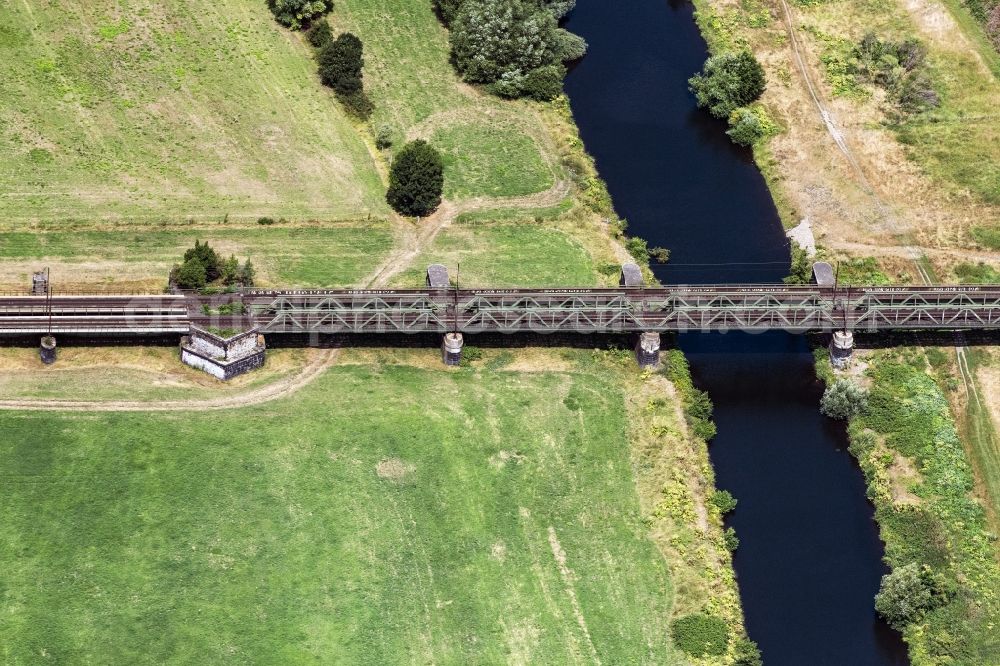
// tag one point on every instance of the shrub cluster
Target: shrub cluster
(416, 180)
(843, 400)
(296, 14)
(700, 635)
(899, 68)
(340, 64)
(727, 85)
(909, 592)
(203, 266)
(514, 47)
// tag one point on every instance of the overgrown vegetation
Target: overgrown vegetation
(296, 14)
(843, 400)
(340, 63)
(945, 588)
(700, 635)
(202, 266)
(697, 404)
(416, 180)
(899, 68)
(514, 47)
(727, 85)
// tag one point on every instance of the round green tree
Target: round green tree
(416, 180)
(727, 82)
(340, 62)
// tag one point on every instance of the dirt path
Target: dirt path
(279, 389)
(418, 239)
(885, 213)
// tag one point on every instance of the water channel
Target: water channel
(809, 560)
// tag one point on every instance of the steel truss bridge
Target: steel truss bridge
(708, 308)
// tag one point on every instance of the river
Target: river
(810, 559)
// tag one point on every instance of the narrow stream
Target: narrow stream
(809, 560)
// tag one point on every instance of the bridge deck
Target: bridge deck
(751, 307)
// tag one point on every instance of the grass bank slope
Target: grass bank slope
(473, 518)
(151, 110)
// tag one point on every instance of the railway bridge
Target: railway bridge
(452, 311)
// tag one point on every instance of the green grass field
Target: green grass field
(506, 255)
(328, 255)
(490, 146)
(146, 111)
(386, 514)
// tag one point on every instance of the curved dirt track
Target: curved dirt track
(274, 391)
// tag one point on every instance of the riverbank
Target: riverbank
(922, 485)
(873, 180)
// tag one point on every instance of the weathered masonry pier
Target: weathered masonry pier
(445, 309)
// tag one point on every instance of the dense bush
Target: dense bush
(202, 265)
(416, 180)
(340, 64)
(724, 501)
(748, 125)
(265, 221)
(297, 13)
(203, 254)
(730, 540)
(727, 82)
(320, 34)
(514, 46)
(383, 137)
(906, 594)
(190, 275)
(899, 68)
(638, 248)
(447, 9)
(747, 653)
(700, 635)
(843, 399)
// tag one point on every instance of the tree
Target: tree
(207, 257)
(246, 274)
(230, 269)
(190, 275)
(490, 38)
(906, 594)
(296, 13)
(340, 64)
(724, 501)
(843, 399)
(416, 179)
(320, 34)
(728, 81)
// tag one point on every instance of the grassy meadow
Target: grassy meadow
(151, 111)
(332, 254)
(386, 514)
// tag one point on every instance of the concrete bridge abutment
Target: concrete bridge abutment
(451, 349)
(647, 350)
(841, 349)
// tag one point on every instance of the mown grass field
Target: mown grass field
(386, 514)
(149, 111)
(338, 254)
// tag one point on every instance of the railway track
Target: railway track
(752, 307)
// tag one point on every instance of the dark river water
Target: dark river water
(809, 560)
